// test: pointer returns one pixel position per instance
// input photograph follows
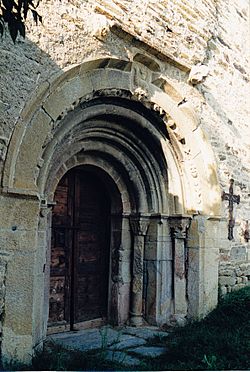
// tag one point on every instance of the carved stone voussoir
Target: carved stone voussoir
(179, 226)
(139, 224)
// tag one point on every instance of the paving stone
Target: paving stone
(149, 351)
(127, 341)
(121, 357)
(86, 339)
(145, 332)
(106, 337)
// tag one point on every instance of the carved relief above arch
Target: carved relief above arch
(56, 115)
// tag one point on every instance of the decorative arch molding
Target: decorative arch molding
(125, 141)
(122, 119)
(190, 160)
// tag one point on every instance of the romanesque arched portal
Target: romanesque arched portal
(115, 117)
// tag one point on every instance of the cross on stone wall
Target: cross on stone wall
(232, 199)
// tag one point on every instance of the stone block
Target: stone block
(180, 302)
(16, 347)
(166, 251)
(125, 270)
(19, 293)
(226, 272)
(237, 287)
(227, 280)
(238, 253)
(122, 358)
(18, 240)
(243, 267)
(150, 252)
(127, 341)
(238, 271)
(246, 271)
(149, 351)
(18, 214)
(26, 165)
(124, 303)
(223, 290)
(72, 90)
(34, 103)
(244, 279)
(121, 78)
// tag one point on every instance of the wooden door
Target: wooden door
(80, 250)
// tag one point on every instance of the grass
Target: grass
(221, 341)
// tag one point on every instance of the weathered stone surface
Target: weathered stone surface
(154, 46)
(227, 280)
(150, 351)
(87, 339)
(127, 342)
(223, 290)
(238, 253)
(111, 340)
(123, 358)
(145, 332)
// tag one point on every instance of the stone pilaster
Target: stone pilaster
(179, 226)
(139, 226)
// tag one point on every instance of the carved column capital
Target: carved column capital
(179, 226)
(139, 224)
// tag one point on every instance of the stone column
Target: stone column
(179, 226)
(139, 226)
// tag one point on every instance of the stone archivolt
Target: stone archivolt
(114, 117)
(35, 132)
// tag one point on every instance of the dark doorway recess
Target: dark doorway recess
(79, 274)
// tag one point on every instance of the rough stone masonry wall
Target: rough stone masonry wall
(226, 91)
(212, 32)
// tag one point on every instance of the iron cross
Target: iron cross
(232, 199)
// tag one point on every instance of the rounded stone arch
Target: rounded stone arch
(121, 200)
(188, 155)
(122, 141)
(122, 117)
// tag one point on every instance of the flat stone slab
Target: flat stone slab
(126, 342)
(123, 358)
(87, 339)
(106, 338)
(149, 351)
(145, 332)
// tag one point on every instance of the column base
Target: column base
(136, 320)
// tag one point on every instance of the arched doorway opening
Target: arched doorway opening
(122, 149)
(80, 249)
(125, 119)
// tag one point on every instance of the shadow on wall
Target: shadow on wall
(23, 68)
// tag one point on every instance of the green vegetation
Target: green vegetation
(13, 14)
(221, 341)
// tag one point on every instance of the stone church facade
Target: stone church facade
(124, 166)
